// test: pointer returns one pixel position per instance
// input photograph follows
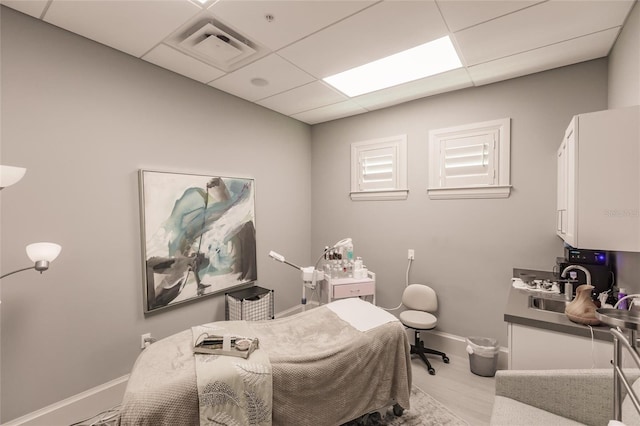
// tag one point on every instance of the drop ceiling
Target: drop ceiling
(276, 53)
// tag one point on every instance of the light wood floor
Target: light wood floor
(454, 385)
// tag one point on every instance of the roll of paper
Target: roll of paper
(226, 342)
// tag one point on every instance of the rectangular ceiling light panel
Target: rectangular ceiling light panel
(418, 62)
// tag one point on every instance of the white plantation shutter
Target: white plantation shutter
(470, 161)
(379, 169)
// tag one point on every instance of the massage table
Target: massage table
(329, 365)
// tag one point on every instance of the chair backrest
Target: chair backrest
(420, 297)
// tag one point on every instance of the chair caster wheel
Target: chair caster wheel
(432, 371)
(397, 410)
(445, 359)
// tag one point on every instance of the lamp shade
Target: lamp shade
(10, 175)
(43, 251)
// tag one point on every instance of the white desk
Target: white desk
(340, 288)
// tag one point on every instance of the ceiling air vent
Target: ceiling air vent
(216, 46)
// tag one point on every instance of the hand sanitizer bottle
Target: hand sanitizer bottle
(350, 251)
(623, 304)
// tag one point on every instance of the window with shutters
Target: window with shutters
(379, 169)
(470, 161)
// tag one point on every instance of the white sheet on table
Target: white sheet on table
(360, 314)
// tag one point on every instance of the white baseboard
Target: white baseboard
(76, 408)
(93, 401)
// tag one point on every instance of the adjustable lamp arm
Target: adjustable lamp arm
(280, 258)
(41, 254)
(15, 272)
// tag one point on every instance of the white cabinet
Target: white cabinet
(533, 348)
(340, 288)
(598, 195)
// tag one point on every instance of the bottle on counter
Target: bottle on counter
(357, 265)
(350, 250)
(623, 304)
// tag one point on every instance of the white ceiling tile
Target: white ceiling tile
(312, 39)
(304, 98)
(383, 29)
(538, 26)
(169, 58)
(292, 20)
(279, 74)
(132, 26)
(557, 55)
(445, 82)
(32, 7)
(461, 14)
(330, 112)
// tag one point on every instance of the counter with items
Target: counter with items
(546, 339)
(518, 311)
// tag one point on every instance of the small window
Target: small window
(470, 161)
(379, 169)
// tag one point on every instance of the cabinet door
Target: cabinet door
(608, 180)
(561, 213)
(571, 139)
(599, 181)
(533, 348)
(566, 192)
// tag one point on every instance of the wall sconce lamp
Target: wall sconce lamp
(10, 175)
(42, 254)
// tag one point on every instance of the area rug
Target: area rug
(424, 411)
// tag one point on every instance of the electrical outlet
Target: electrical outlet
(412, 254)
(143, 339)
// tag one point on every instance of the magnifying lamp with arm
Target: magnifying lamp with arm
(310, 274)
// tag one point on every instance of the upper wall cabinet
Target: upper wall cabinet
(598, 198)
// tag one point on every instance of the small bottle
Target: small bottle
(357, 265)
(336, 271)
(350, 250)
(364, 272)
(623, 304)
(327, 270)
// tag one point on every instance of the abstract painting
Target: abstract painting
(198, 236)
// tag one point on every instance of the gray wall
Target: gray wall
(464, 249)
(624, 64)
(83, 118)
(624, 90)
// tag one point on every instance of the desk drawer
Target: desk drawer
(353, 290)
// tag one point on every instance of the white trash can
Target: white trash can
(483, 355)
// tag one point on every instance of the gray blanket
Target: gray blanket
(325, 372)
(233, 391)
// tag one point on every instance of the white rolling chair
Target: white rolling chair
(420, 300)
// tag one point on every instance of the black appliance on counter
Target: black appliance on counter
(597, 262)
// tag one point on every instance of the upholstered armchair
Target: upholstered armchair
(560, 397)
